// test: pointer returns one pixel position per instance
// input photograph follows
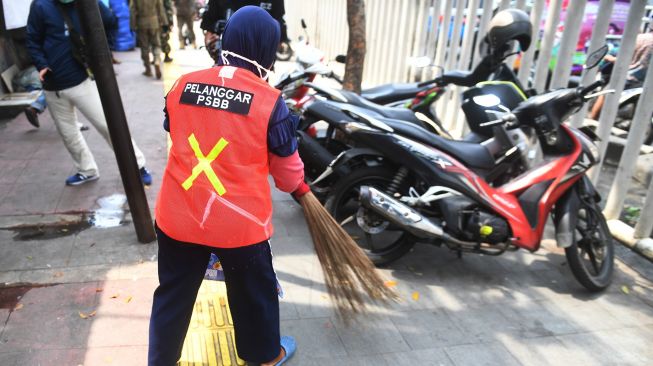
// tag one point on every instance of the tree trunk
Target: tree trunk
(356, 48)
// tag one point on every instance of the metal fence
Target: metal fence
(440, 29)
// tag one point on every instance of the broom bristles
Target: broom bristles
(350, 276)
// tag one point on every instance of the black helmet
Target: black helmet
(510, 25)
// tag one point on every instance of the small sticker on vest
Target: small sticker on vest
(217, 97)
(227, 72)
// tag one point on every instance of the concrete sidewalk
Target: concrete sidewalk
(74, 295)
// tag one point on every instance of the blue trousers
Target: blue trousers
(251, 291)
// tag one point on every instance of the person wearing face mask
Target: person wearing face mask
(56, 47)
(229, 130)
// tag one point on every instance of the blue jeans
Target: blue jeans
(40, 103)
(251, 292)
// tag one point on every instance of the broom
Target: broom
(350, 276)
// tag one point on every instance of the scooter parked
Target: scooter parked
(411, 189)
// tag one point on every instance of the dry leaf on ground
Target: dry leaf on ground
(86, 316)
(390, 283)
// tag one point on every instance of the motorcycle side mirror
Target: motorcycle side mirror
(594, 58)
(303, 24)
(341, 59)
(419, 62)
(487, 100)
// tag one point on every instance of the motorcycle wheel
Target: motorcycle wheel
(380, 240)
(284, 52)
(591, 256)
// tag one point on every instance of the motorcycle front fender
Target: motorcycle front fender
(565, 215)
(630, 94)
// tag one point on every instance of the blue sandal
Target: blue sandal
(290, 346)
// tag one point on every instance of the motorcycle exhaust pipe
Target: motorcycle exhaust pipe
(315, 156)
(400, 214)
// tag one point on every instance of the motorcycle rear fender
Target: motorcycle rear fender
(566, 211)
(629, 95)
(351, 155)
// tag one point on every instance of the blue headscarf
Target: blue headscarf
(251, 32)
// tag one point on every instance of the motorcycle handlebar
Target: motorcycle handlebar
(584, 91)
(289, 80)
(437, 80)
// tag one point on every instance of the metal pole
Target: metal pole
(465, 64)
(482, 27)
(450, 118)
(527, 57)
(432, 42)
(100, 62)
(544, 57)
(440, 57)
(371, 69)
(639, 124)
(421, 33)
(505, 4)
(468, 36)
(573, 21)
(618, 80)
(599, 31)
(645, 224)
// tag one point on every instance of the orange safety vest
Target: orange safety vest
(215, 188)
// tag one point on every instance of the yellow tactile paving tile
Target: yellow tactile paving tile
(210, 338)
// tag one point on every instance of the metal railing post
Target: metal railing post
(618, 80)
(440, 57)
(599, 31)
(544, 56)
(482, 26)
(645, 224)
(636, 135)
(421, 33)
(527, 57)
(573, 22)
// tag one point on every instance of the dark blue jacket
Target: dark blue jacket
(49, 45)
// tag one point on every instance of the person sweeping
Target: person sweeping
(230, 130)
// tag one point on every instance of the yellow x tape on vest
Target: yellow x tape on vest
(204, 164)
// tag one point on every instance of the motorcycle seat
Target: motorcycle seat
(387, 93)
(402, 114)
(469, 153)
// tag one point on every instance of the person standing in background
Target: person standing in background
(218, 11)
(148, 20)
(55, 45)
(185, 15)
(165, 33)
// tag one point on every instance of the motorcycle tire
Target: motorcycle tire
(592, 241)
(345, 193)
(284, 52)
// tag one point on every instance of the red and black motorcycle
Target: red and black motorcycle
(416, 187)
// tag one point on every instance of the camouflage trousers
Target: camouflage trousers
(165, 42)
(149, 40)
